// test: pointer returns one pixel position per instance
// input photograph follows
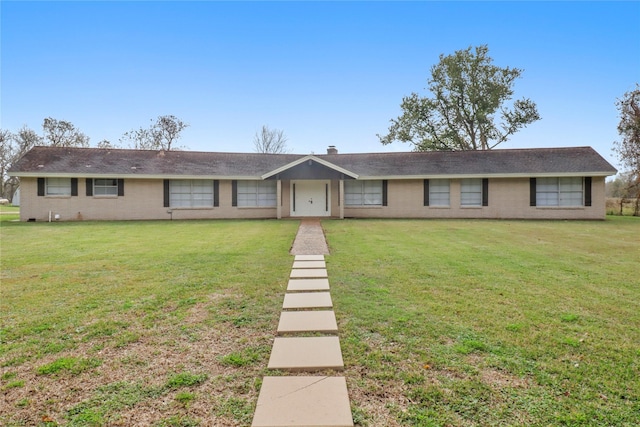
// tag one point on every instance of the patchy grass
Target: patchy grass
(121, 323)
(489, 322)
(441, 322)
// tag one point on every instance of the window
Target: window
(257, 193)
(363, 193)
(105, 187)
(439, 192)
(58, 187)
(559, 191)
(471, 192)
(191, 193)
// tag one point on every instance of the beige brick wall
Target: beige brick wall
(508, 198)
(143, 199)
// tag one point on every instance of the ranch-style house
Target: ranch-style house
(73, 184)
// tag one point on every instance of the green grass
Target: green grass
(71, 365)
(441, 322)
(489, 322)
(9, 213)
(186, 379)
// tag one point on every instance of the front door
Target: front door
(310, 198)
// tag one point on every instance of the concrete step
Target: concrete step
(306, 354)
(303, 401)
(303, 300)
(309, 264)
(307, 321)
(308, 273)
(309, 258)
(304, 285)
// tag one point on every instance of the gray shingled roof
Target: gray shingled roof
(79, 162)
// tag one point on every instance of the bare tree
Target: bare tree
(60, 133)
(105, 143)
(161, 135)
(7, 151)
(628, 148)
(12, 148)
(272, 141)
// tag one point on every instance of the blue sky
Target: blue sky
(327, 73)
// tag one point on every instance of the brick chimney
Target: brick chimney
(332, 150)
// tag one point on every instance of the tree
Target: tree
(6, 159)
(12, 148)
(272, 141)
(105, 143)
(161, 135)
(468, 92)
(60, 133)
(628, 148)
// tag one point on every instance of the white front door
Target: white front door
(310, 198)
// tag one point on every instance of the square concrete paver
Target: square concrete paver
(307, 273)
(307, 300)
(309, 258)
(303, 401)
(306, 354)
(303, 285)
(307, 321)
(309, 264)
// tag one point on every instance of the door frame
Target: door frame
(327, 197)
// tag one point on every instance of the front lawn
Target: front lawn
(489, 322)
(441, 322)
(139, 323)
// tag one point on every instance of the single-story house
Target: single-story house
(69, 184)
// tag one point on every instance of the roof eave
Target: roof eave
(485, 175)
(131, 176)
(313, 158)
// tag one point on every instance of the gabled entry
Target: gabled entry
(310, 198)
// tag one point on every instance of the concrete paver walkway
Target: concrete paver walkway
(293, 301)
(309, 264)
(304, 285)
(307, 321)
(306, 401)
(284, 401)
(306, 354)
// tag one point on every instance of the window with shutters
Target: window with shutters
(191, 193)
(362, 193)
(439, 192)
(568, 191)
(58, 187)
(105, 187)
(257, 193)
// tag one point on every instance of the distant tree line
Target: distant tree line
(162, 134)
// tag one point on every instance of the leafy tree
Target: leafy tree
(272, 141)
(60, 133)
(628, 148)
(161, 135)
(468, 92)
